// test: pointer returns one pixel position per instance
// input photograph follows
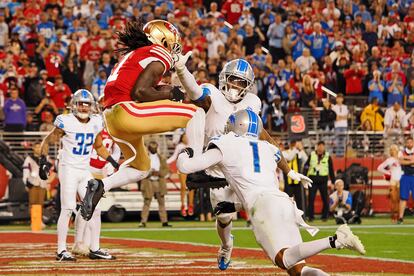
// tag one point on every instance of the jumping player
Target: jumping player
(79, 131)
(249, 167)
(135, 105)
(235, 81)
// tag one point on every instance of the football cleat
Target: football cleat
(65, 256)
(346, 239)
(224, 256)
(94, 192)
(79, 248)
(100, 255)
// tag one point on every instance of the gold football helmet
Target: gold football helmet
(165, 34)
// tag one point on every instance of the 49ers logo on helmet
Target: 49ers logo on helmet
(170, 27)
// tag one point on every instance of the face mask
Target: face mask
(233, 94)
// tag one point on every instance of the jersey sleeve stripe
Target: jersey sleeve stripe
(162, 55)
(206, 93)
(182, 106)
(163, 50)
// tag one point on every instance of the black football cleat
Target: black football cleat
(100, 255)
(65, 256)
(94, 192)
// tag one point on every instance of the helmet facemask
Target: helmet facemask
(82, 110)
(233, 87)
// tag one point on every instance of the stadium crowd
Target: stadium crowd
(363, 50)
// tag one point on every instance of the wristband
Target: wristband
(113, 162)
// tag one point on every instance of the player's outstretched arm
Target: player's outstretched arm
(193, 90)
(145, 88)
(103, 152)
(187, 165)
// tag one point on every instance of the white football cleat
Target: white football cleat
(346, 239)
(224, 256)
(79, 248)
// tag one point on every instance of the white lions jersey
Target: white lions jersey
(76, 144)
(220, 111)
(249, 166)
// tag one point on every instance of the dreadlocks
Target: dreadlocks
(133, 37)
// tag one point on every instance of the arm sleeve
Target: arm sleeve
(116, 152)
(188, 165)
(59, 122)
(174, 156)
(349, 200)
(194, 91)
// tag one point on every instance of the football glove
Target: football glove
(295, 176)
(44, 168)
(182, 60)
(224, 207)
(177, 95)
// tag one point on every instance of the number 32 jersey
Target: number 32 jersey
(249, 166)
(76, 144)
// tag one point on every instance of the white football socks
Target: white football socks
(95, 227)
(224, 234)
(80, 226)
(304, 250)
(62, 228)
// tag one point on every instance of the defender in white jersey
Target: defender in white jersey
(249, 166)
(79, 131)
(235, 81)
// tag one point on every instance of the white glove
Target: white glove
(182, 60)
(295, 176)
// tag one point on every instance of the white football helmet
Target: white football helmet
(245, 123)
(236, 79)
(83, 104)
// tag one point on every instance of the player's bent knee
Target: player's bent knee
(224, 220)
(294, 270)
(279, 259)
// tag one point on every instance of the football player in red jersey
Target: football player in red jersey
(135, 105)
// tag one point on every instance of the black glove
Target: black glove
(224, 207)
(113, 162)
(188, 151)
(177, 95)
(44, 168)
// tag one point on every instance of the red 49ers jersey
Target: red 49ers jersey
(123, 77)
(96, 161)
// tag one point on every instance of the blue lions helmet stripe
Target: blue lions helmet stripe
(242, 65)
(253, 125)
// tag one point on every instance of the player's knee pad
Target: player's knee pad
(294, 270)
(224, 220)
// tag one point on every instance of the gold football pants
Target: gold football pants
(128, 122)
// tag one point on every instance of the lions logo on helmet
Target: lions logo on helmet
(165, 34)
(236, 79)
(83, 104)
(244, 123)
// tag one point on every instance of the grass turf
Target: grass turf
(381, 238)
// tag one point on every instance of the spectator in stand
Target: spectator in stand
(246, 19)
(30, 124)
(214, 12)
(215, 39)
(307, 94)
(59, 92)
(305, 61)
(372, 117)
(53, 59)
(341, 125)
(409, 95)
(232, 10)
(391, 169)
(319, 168)
(275, 33)
(98, 84)
(106, 63)
(407, 179)
(318, 43)
(47, 122)
(252, 38)
(376, 87)
(395, 89)
(394, 124)
(298, 42)
(327, 116)
(369, 35)
(70, 75)
(14, 112)
(4, 31)
(34, 90)
(275, 116)
(353, 77)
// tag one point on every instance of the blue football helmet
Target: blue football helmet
(83, 97)
(236, 79)
(245, 123)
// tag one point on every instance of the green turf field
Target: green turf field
(381, 238)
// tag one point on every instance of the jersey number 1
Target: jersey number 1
(256, 159)
(85, 141)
